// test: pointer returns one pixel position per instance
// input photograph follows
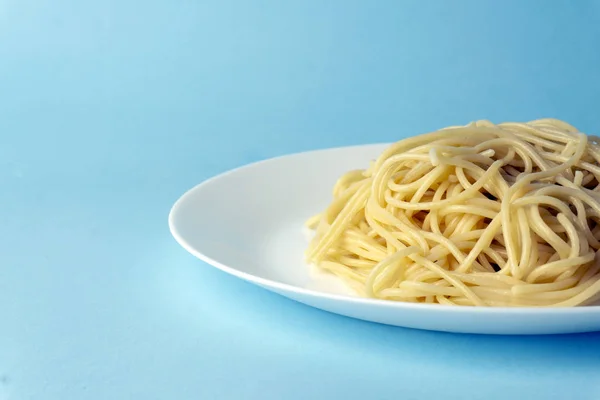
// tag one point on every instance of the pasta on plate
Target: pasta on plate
(479, 215)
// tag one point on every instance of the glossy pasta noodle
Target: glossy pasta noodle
(475, 215)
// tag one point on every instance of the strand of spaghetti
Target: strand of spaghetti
(468, 293)
(470, 192)
(509, 237)
(590, 292)
(340, 223)
(385, 263)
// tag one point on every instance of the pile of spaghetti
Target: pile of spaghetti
(477, 215)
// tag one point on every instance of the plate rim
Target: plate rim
(286, 287)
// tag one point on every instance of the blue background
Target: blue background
(109, 110)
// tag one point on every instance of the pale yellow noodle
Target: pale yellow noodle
(477, 215)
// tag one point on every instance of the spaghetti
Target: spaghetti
(476, 215)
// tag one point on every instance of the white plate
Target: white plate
(249, 222)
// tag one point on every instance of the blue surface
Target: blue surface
(109, 110)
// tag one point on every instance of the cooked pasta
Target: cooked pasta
(478, 215)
